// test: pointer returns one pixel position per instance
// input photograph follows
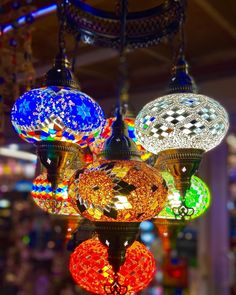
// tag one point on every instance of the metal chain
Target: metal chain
(122, 85)
(181, 31)
(74, 59)
(62, 27)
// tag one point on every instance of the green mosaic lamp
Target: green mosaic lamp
(195, 203)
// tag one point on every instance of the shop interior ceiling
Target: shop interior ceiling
(210, 49)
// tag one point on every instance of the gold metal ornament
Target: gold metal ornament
(56, 157)
(182, 164)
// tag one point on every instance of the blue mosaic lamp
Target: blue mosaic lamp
(58, 118)
(59, 111)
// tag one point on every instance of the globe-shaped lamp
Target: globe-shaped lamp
(181, 120)
(195, 203)
(118, 191)
(91, 270)
(57, 113)
(52, 201)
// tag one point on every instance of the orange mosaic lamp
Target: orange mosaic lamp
(118, 191)
(91, 270)
(50, 200)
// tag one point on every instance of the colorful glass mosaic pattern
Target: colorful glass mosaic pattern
(52, 202)
(183, 120)
(198, 198)
(98, 145)
(118, 191)
(57, 114)
(91, 270)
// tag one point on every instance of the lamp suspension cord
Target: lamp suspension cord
(182, 35)
(74, 59)
(122, 56)
(62, 27)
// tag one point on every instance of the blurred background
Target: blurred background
(33, 256)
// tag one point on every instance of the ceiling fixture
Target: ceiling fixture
(118, 191)
(115, 188)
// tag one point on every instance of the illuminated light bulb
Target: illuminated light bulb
(118, 191)
(91, 270)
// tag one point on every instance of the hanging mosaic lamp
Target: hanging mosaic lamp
(58, 117)
(58, 112)
(91, 270)
(181, 126)
(118, 191)
(193, 205)
(119, 188)
(181, 121)
(52, 201)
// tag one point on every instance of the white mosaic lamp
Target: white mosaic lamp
(181, 126)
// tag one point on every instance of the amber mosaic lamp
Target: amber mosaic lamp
(119, 188)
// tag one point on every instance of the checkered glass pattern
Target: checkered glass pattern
(183, 120)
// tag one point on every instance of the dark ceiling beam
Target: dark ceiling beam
(202, 73)
(94, 56)
(156, 55)
(217, 16)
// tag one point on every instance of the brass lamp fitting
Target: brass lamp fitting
(182, 164)
(56, 157)
(117, 236)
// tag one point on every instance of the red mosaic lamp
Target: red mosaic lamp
(90, 268)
